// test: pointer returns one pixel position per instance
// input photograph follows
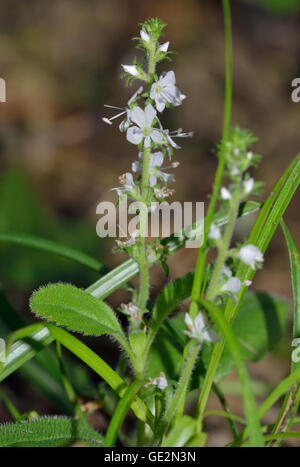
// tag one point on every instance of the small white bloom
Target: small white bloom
(164, 47)
(143, 131)
(226, 271)
(164, 90)
(162, 193)
(236, 151)
(127, 183)
(132, 240)
(144, 36)
(225, 193)
(132, 310)
(160, 381)
(198, 329)
(247, 283)
(248, 185)
(232, 286)
(131, 69)
(234, 171)
(251, 255)
(249, 155)
(214, 232)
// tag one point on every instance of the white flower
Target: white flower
(161, 381)
(143, 131)
(225, 193)
(164, 47)
(198, 329)
(156, 160)
(132, 240)
(226, 271)
(232, 286)
(124, 110)
(214, 232)
(251, 255)
(127, 183)
(234, 171)
(131, 69)
(144, 36)
(249, 155)
(248, 185)
(164, 90)
(131, 310)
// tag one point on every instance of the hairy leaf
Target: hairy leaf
(48, 432)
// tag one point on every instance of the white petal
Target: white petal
(233, 285)
(131, 69)
(164, 47)
(188, 321)
(156, 135)
(144, 36)
(136, 166)
(251, 255)
(160, 103)
(211, 336)
(137, 115)
(214, 232)
(157, 159)
(166, 177)
(248, 185)
(134, 135)
(153, 92)
(152, 180)
(150, 113)
(200, 323)
(225, 193)
(128, 178)
(168, 79)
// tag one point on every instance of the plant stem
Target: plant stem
(220, 170)
(142, 260)
(179, 396)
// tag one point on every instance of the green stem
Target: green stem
(10, 406)
(179, 396)
(221, 166)
(142, 260)
(211, 294)
(225, 244)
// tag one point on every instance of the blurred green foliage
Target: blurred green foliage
(282, 6)
(22, 211)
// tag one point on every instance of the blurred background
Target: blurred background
(61, 63)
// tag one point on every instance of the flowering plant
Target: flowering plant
(169, 351)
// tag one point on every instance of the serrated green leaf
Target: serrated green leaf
(48, 432)
(66, 305)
